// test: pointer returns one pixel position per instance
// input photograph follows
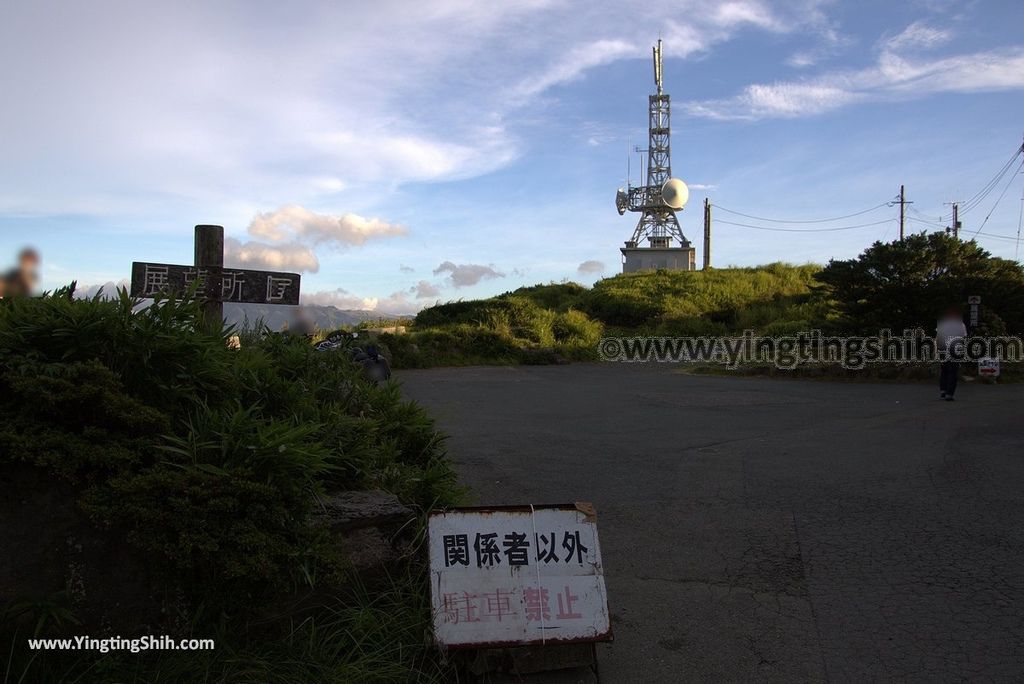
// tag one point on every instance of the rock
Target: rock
(346, 511)
(373, 529)
(369, 551)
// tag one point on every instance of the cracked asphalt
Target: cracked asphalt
(767, 530)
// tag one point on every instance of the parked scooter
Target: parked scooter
(376, 368)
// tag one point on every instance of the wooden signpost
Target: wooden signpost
(215, 284)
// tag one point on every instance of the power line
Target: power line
(1000, 198)
(771, 220)
(1020, 220)
(921, 218)
(930, 224)
(963, 207)
(1000, 237)
(985, 190)
(980, 196)
(805, 230)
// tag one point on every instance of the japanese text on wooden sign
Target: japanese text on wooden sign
(223, 284)
(517, 575)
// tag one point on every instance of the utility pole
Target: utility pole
(954, 228)
(903, 204)
(707, 233)
(902, 201)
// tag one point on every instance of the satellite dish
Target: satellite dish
(674, 193)
(621, 201)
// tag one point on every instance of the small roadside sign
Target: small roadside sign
(988, 368)
(517, 575)
(975, 302)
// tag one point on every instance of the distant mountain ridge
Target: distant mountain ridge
(277, 317)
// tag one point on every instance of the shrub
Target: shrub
(908, 284)
(207, 460)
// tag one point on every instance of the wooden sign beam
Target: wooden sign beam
(214, 284)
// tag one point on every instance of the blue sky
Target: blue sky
(403, 153)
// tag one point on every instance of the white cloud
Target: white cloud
(425, 290)
(730, 14)
(775, 100)
(395, 156)
(801, 60)
(397, 303)
(464, 275)
(572, 65)
(340, 298)
(918, 35)
(290, 256)
(294, 232)
(225, 105)
(590, 267)
(893, 75)
(293, 222)
(687, 27)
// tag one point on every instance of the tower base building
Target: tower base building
(652, 258)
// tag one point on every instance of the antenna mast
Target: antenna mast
(660, 197)
(657, 66)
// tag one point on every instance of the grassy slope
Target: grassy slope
(547, 323)
(557, 322)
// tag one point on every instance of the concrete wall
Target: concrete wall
(649, 259)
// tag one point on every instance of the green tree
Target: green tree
(906, 285)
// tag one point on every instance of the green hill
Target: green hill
(897, 286)
(564, 321)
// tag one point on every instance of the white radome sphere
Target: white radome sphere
(675, 193)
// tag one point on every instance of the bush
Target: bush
(507, 329)
(207, 460)
(909, 284)
(651, 298)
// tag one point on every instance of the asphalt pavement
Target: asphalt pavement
(763, 529)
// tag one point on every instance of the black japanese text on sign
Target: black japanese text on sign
(510, 575)
(222, 284)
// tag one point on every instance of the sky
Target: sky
(398, 154)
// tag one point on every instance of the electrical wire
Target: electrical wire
(923, 217)
(925, 222)
(1000, 198)
(804, 230)
(980, 196)
(1000, 237)
(828, 220)
(1020, 220)
(964, 207)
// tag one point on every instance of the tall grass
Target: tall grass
(564, 321)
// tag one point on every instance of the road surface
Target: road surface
(767, 530)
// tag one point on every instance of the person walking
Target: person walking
(950, 333)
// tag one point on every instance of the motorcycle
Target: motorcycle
(376, 368)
